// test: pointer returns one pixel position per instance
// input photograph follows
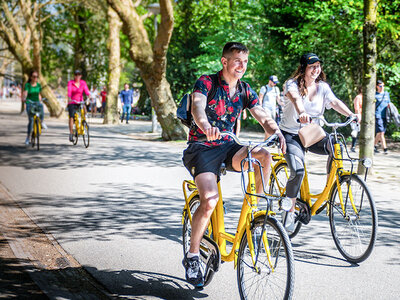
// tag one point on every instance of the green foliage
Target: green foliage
(396, 136)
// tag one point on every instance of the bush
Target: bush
(396, 136)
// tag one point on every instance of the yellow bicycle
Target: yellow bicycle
(37, 124)
(351, 209)
(80, 126)
(260, 248)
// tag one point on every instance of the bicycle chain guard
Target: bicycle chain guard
(210, 257)
(304, 214)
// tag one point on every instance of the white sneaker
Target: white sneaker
(27, 141)
(44, 126)
(289, 223)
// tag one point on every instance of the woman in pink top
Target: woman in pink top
(356, 126)
(76, 88)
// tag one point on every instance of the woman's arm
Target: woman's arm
(341, 108)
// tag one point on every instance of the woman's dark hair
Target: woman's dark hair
(299, 75)
(30, 75)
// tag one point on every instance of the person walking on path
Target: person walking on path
(32, 96)
(270, 95)
(103, 95)
(93, 100)
(355, 127)
(126, 96)
(207, 150)
(76, 88)
(382, 101)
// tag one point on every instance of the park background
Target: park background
(59, 37)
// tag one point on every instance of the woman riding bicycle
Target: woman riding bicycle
(306, 95)
(31, 96)
(76, 88)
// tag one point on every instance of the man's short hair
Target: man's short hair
(231, 47)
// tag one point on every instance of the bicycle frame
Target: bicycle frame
(248, 213)
(79, 122)
(37, 118)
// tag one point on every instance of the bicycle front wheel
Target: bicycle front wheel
(74, 134)
(85, 133)
(354, 227)
(38, 129)
(271, 278)
(278, 188)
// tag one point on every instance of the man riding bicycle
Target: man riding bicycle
(206, 149)
(76, 88)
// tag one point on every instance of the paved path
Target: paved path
(116, 208)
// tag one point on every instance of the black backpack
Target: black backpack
(184, 111)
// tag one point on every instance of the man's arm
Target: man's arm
(199, 103)
(260, 98)
(269, 125)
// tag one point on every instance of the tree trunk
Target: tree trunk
(114, 70)
(367, 133)
(18, 37)
(151, 62)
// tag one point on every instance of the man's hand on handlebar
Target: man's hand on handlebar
(212, 133)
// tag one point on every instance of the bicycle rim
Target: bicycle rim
(265, 283)
(354, 232)
(282, 177)
(85, 134)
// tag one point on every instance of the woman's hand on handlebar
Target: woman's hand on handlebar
(304, 118)
(282, 141)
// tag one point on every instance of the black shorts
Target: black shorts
(72, 108)
(199, 158)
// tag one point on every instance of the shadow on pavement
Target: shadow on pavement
(133, 283)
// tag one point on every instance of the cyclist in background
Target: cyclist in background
(76, 88)
(306, 94)
(31, 96)
(207, 150)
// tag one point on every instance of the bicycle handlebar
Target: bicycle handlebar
(273, 139)
(337, 125)
(334, 125)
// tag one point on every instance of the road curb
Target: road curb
(51, 268)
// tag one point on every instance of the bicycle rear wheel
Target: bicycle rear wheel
(354, 231)
(282, 176)
(266, 281)
(85, 133)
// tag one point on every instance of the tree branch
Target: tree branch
(11, 20)
(137, 3)
(164, 33)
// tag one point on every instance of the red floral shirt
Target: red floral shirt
(222, 111)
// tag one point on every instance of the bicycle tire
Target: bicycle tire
(74, 132)
(37, 122)
(273, 190)
(265, 283)
(33, 135)
(85, 134)
(349, 228)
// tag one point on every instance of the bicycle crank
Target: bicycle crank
(210, 258)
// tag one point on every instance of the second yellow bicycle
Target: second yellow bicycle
(350, 206)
